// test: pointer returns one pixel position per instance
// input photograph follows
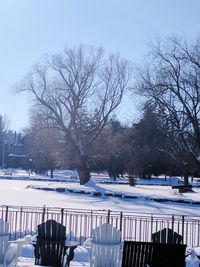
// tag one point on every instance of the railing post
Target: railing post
(21, 223)
(183, 226)
(2, 211)
(6, 215)
(173, 222)
(108, 217)
(91, 222)
(120, 221)
(151, 224)
(43, 213)
(62, 214)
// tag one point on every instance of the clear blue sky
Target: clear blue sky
(31, 28)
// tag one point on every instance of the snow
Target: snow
(26, 258)
(17, 193)
(15, 190)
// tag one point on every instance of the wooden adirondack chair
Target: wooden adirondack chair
(105, 246)
(143, 254)
(167, 235)
(50, 248)
(137, 254)
(9, 250)
(165, 255)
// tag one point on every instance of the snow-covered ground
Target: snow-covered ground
(15, 190)
(16, 193)
(26, 258)
(81, 258)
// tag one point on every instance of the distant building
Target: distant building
(16, 157)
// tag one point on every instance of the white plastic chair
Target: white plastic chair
(105, 246)
(9, 251)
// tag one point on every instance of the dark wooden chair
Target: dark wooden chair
(139, 254)
(165, 255)
(50, 247)
(167, 235)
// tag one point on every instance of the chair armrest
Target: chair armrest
(20, 242)
(36, 250)
(33, 243)
(88, 243)
(70, 247)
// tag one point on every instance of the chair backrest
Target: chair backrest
(137, 254)
(50, 247)
(167, 235)
(165, 255)
(51, 230)
(105, 250)
(4, 237)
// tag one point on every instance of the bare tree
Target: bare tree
(4, 125)
(41, 144)
(171, 82)
(77, 92)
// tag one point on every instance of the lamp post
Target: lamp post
(30, 166)
(3, 154)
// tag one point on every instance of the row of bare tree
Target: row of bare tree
(75, 93)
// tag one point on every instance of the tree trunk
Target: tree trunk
(83, 171)
(186, 179)
(149, 175)
(51, 170)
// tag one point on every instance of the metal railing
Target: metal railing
(80, 222)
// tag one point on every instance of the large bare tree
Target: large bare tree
(171, 82)
(77, 91)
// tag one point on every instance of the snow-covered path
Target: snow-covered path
(14, 192)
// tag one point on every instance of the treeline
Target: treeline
(142, 150)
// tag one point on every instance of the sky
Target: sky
(29, 29)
